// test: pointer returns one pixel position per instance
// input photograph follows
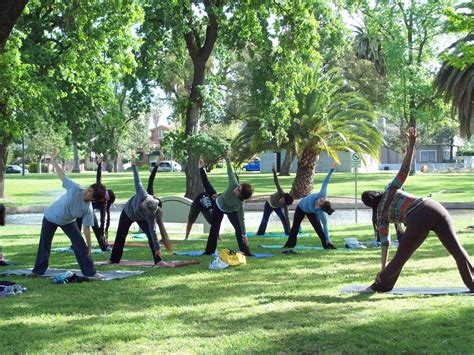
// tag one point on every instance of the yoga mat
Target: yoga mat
(143, 236)
(107, 275)
(200, 253)
(131, 245)
(276, 235)
(413, 290)
(178, 263)
(68, 250)
(301, 247)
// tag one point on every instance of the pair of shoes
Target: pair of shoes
(218, 264)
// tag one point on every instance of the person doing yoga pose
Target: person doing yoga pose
(203, 203)
(313, 206)
(278, 203)
(230, 202)
(420, 216)
(144, 209)
(101, 230)
(75, 203)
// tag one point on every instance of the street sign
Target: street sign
(355, 160)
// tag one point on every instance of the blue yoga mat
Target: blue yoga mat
(200, 253)
(276, 235)
(68, 250)
(139, 236)
(299, 247)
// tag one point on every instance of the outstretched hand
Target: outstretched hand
(132, 159)
(412, 134)
(201, 164)
(334, 165)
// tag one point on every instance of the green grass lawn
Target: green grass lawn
(40, 190)
(281, 304)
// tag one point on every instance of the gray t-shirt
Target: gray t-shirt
(70, 206)
(133, 209)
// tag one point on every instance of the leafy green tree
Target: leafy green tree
(207, 29)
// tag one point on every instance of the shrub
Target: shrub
(33, 168)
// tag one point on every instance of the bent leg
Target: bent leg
(44, 247)
(119, 243)
(80, 249)
(217, 216)
(267, 211)
(316, 223)
(297, 219)
(192, 216)
(234, 220)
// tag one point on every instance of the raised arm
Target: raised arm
(136, 177)
(402, 175)
(324, 223)
(98, 176)
(324, 185)
(57, 167)
(151, 180)
(230, 173)
(275, 180)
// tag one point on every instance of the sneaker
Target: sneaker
(218, 264)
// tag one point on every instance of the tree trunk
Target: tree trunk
(303, 183)
(193, 115)
(3, 161)
(10, 10)
(75, 149)
(286, 165)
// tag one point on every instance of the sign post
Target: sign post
(355, 163)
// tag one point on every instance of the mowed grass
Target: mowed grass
(41, 190)
(280, 304)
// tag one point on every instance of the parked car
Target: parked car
(254, 165)
(168, 165)
(15, 169)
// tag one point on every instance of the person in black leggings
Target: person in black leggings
(144, 209)
(420, 216)
(101, 230)
(203, 203)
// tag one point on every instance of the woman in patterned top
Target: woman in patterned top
(420, 216)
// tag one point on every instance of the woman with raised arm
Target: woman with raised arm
(420, 216)
(203, 203)
(101, 230)
(75, 203)
(144, 209)
(230, 203)
(278, 203)
(314, 206)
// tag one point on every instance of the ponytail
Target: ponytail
(161, 226)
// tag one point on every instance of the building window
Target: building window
(428, 156)
(161, 134)
(446, 155)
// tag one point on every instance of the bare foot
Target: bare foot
(165, 264)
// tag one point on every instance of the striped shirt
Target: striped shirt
(395, 205)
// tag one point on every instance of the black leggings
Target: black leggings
(428, 216)
(297, 219)
(267, 211)
(100, 236)
(216, 217)
(122, 231)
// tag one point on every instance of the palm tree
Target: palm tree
(455, 78)
(331, 118)
(368, 47)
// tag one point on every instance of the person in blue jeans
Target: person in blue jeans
(75, 203)
(278, 203)
(315, 207)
